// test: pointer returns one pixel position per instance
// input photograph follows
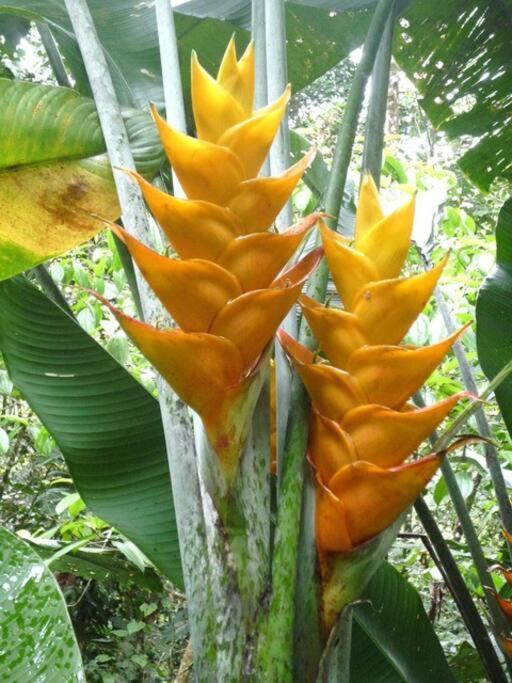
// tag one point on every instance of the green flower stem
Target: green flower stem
(175, 417)
(274, 654)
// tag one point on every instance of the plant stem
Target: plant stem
(56, 63)
(453, 578)
(346, 135)
(175, 416)
(171, 75)
(376, 119)
(277, 79)
(274, 656)
(470, 534)
(260, 63)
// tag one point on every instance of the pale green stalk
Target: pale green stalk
(175, 419)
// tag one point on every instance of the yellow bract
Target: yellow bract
(226, 292)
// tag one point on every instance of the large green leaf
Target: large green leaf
(393, 640)
(458, 54)
(45, 210)
(37, 642)
(106, 424)
(45, 123)
(494, 314)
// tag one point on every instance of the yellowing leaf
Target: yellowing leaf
(44, 210)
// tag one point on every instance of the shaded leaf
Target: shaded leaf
(106, 424)
(393, 640)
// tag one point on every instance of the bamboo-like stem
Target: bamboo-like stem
(334, 196)
(455, 582)
(53, 54)
(260, 63)
(175, 419)
(376, 119)
(171, 75)
(277, 79)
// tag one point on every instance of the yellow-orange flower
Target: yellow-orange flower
(362, 427)
(227, 291)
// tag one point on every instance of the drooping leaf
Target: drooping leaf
(494, 313)
(106, 424)
(44, 123)
(37, 642)
(96, 563)
(393, 640)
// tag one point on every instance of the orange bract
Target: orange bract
(230, 287)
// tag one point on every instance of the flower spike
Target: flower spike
(362, 428)
(229, 286)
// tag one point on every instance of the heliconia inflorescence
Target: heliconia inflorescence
(226, 291)
(363, 427)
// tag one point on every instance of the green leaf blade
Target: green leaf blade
(37, 642)
(393, 640)
(106, 424)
